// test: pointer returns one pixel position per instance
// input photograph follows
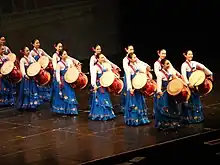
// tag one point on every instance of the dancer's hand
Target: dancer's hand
(132, 91)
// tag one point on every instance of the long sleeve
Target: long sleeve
(206, 70)
(45, 54)
(125, 63)
(184, 72)
(112, 64)
(91, 63)
(32, 54)
(143, 63)
(54, 61)
(159, 82)
(93, 76)
(31, 59)
(74, 60)
(128, 79)
(22, 68)
(157, 68)
(58, 72)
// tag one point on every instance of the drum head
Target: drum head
(12, 57)
(197, 78)
(139, 81)
(7, 67)
(107, 66)
(107, 79)
(33, 69)
(175, 87)
(71, 75)
(44, 61)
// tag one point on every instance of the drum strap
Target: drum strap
(26, 59)
(101, 88)
(159, 62)
(100, 67)
(132, 68)
(189, 66)
(63, 63)
(36, 52)
(165, 73)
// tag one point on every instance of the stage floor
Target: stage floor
(42, 137)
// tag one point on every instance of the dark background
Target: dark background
(173, 25)
(148, 25)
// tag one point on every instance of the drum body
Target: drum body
(177, 90)
(116, 87)
(149, 88)
(205, 87)
(202, 84)
(81, 81)
(46, 64)
(41, 76)
(11, 72)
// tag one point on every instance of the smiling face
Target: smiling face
(101, 58)
(98, 49)
(189, 55)
(36, 44)
(2, 40)
(130, 49)
(26, 51)
(59, 47)
(162, 54)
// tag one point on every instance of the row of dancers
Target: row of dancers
(168, 112)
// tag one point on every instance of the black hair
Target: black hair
(34, 40)
(163, 61)
(186, 51)
(57, 43)
(159, 50)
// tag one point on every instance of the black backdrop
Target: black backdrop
(175, 26)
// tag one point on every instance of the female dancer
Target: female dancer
(7, 97)
(3, 42)
(129, 50)
(64, 101)
(167, 114)
(157, 65)
(135, 107)
(98, 50)
(56, 58)
(36, 52)
(192, 111)
(28, 97)
(101, 106)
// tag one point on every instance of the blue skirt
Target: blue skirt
(7, 96)
(135, 109)
(101, 106)
(28, 97)
(123, 94)
(44, 92)
(64, 99)
(167, 112)
(192, 111)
